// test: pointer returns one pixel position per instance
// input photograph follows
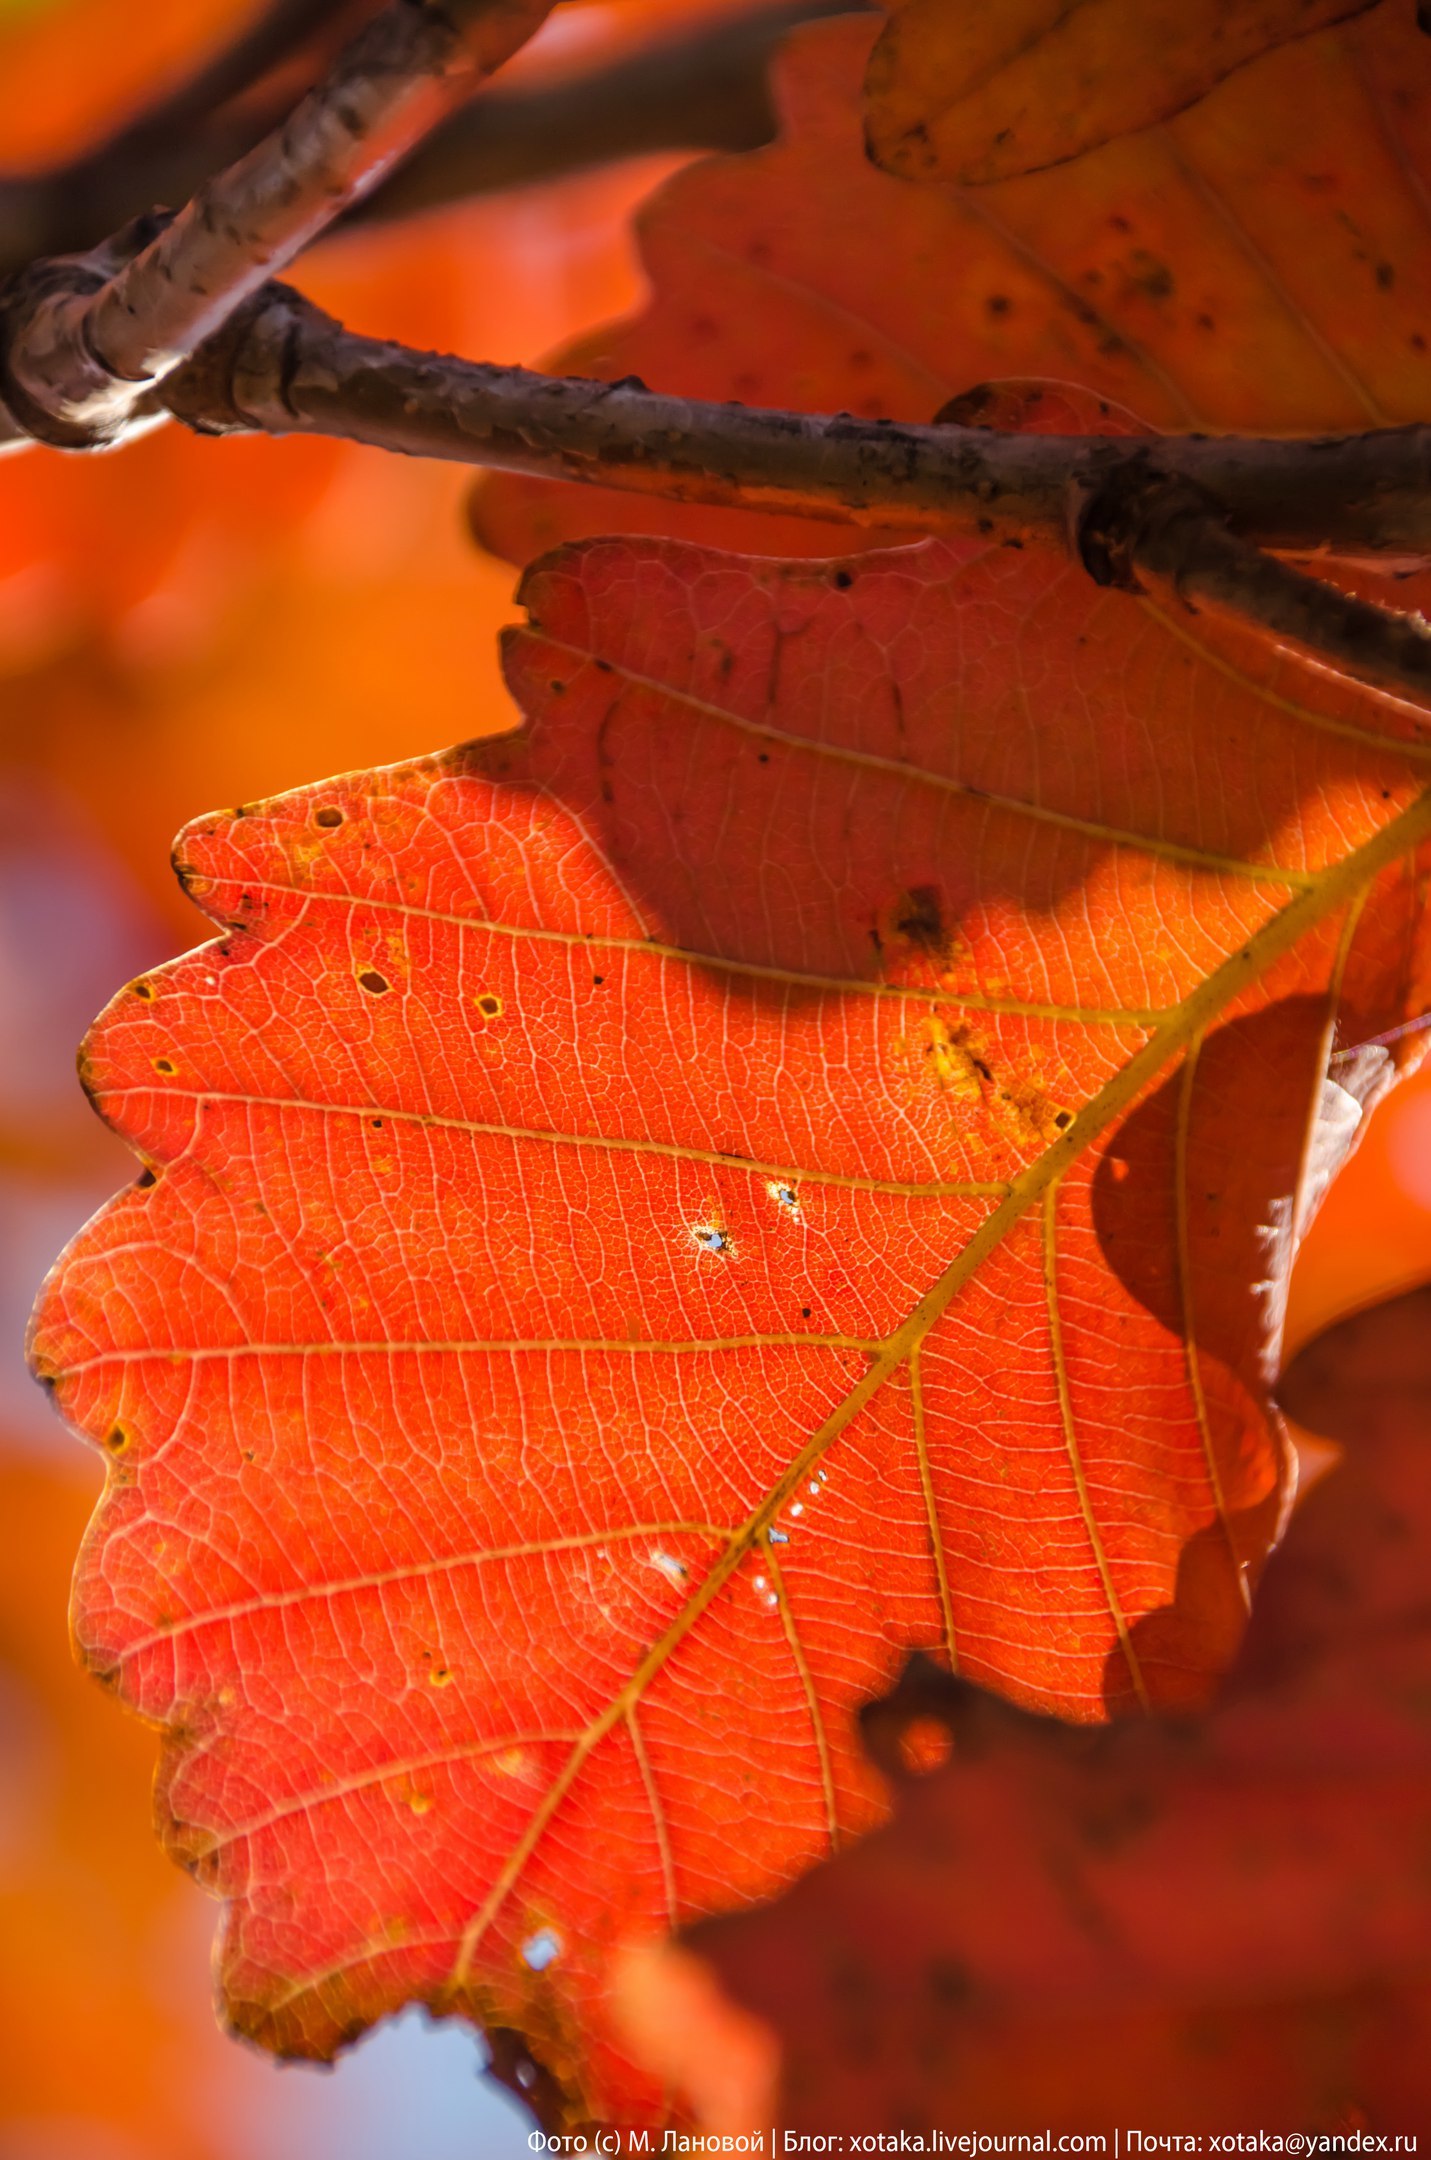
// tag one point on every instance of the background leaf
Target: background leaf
(1170, 272)
(961, 92)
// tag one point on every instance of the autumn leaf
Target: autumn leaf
(792, 1160)
(1170, 271)
(968, 93)
(1218, 1925)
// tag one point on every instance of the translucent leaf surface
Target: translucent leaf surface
(1262, 263)
(1222, 1924)
(958, 91)
(792, 1160)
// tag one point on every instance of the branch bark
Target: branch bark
(1190, 510)
(1172, 530)
(698, 88)
(287, 368)
(168, 149)
(84, 358)
(702, 88)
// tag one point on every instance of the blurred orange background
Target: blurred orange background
(186, 624)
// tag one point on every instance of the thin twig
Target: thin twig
(1169, 528)
(700, 87)
(287, 368)
(169, 148)
(85, 358)
(266, 41)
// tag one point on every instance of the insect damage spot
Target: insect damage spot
(328, 817)
(964, 1067)
(710, 1237)
(491, 1007)
(373, 982)
(164, 1065)
(913, 929)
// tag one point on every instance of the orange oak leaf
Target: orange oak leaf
(1261, 264)
(793, 1159)
(1214, 1926)
(957, 91)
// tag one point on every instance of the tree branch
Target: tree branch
(83, 359)
(164, 152)
(1187, 509)
(287, 368)
(697, 88)
(702, 88)
(1173, 530)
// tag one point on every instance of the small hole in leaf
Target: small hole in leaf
(541, 1949)
(490, 1007)
(145, 1179)
(329, 817)
(804, 1312)
(709, 1237)
(117, 1440)
(372, 981)
(1063, 1119)
(144, 990)
(843, 580)
(164, 1065)
(376, 1123)
(439, 1676)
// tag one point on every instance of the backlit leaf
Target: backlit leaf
(1174, 272)
(961, 91)
(1220, 1925)
(793, 1160)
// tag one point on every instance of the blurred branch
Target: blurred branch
(697, 88)
(164, 152)
(87, 341)
(704, 88)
